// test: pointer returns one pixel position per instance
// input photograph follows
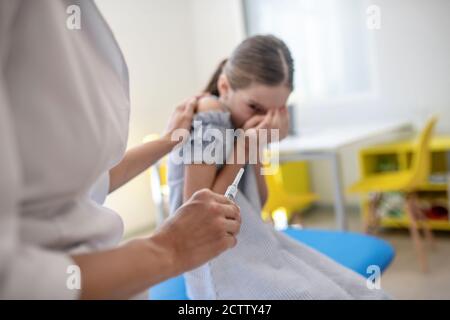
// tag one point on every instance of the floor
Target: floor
(403, 279)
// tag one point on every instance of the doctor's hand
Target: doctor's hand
(205, 226)
(181, 119)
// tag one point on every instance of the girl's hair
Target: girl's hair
(262, 59)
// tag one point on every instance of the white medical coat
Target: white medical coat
(64, 112)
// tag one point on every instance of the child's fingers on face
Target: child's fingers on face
(253, 121)
(267, 120)
(272, 119)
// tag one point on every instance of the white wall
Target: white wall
(413, 48)
(156, 39)
(218, 27)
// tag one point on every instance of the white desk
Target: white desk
(326, 144)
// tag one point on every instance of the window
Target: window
(329, 41)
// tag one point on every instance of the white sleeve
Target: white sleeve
(26, 271)
(100, 189)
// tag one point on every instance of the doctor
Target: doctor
(64, 112)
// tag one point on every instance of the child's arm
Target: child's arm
(262, 186)
(199, 176)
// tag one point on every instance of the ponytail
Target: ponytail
(212, 87)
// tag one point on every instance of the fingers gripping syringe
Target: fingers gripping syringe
(232, 189)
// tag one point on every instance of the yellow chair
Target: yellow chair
(408, 182)
(288, 190)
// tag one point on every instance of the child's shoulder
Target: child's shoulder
(212, 113)
(209, 103)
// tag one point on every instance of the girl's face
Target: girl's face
(257, 99)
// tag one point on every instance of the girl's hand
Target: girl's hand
(277, 119)
(274, 120)
(280, 120)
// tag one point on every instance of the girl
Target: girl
(249, 91)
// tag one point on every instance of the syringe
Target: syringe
(232, 188)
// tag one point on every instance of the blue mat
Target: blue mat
(353, 250)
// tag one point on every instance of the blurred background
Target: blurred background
(359, 64)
